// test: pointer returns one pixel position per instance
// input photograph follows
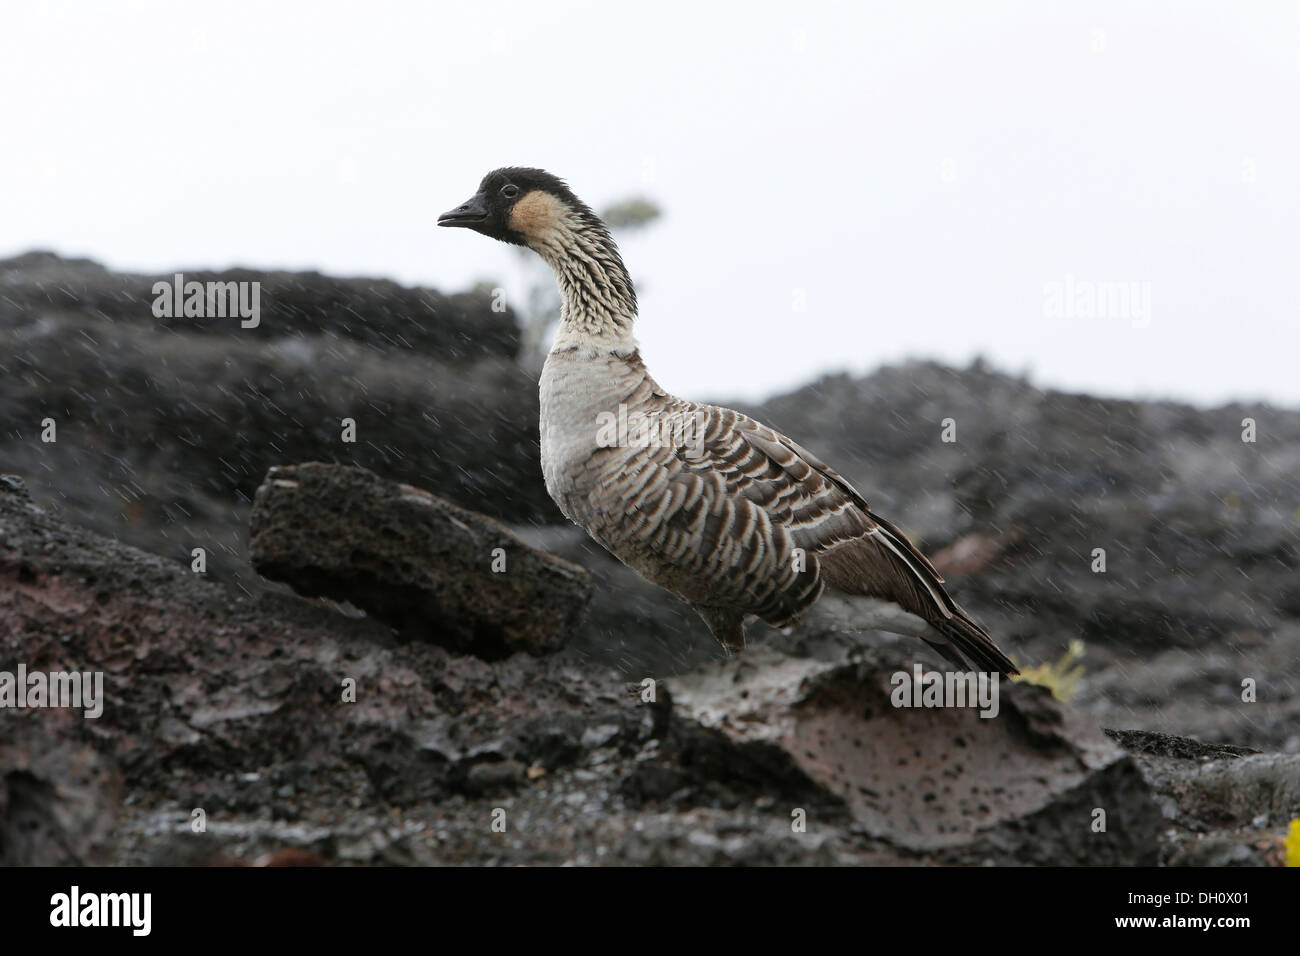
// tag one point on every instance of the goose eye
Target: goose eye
(510, 190)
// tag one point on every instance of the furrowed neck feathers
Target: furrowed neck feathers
(599, 299)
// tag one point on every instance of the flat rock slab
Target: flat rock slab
(429, 569)
(1023, 786)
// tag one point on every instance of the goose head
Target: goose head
(531, 207)
(522, 206)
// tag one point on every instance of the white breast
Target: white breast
(575, 390)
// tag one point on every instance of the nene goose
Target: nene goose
(729, 515)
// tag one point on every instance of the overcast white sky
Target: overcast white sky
(913, 174)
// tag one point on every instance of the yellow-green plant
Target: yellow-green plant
(1061, 678)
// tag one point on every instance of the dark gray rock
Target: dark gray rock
(378, 313)
(165, 427)
(495, 777)
(150, 425)
(1150, 744)
(1198, 692)
(15, 487)
(1225, 806)
(60, 802)
(431, 570)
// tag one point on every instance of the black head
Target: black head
(516, 204)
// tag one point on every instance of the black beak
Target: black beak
(466, 214)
